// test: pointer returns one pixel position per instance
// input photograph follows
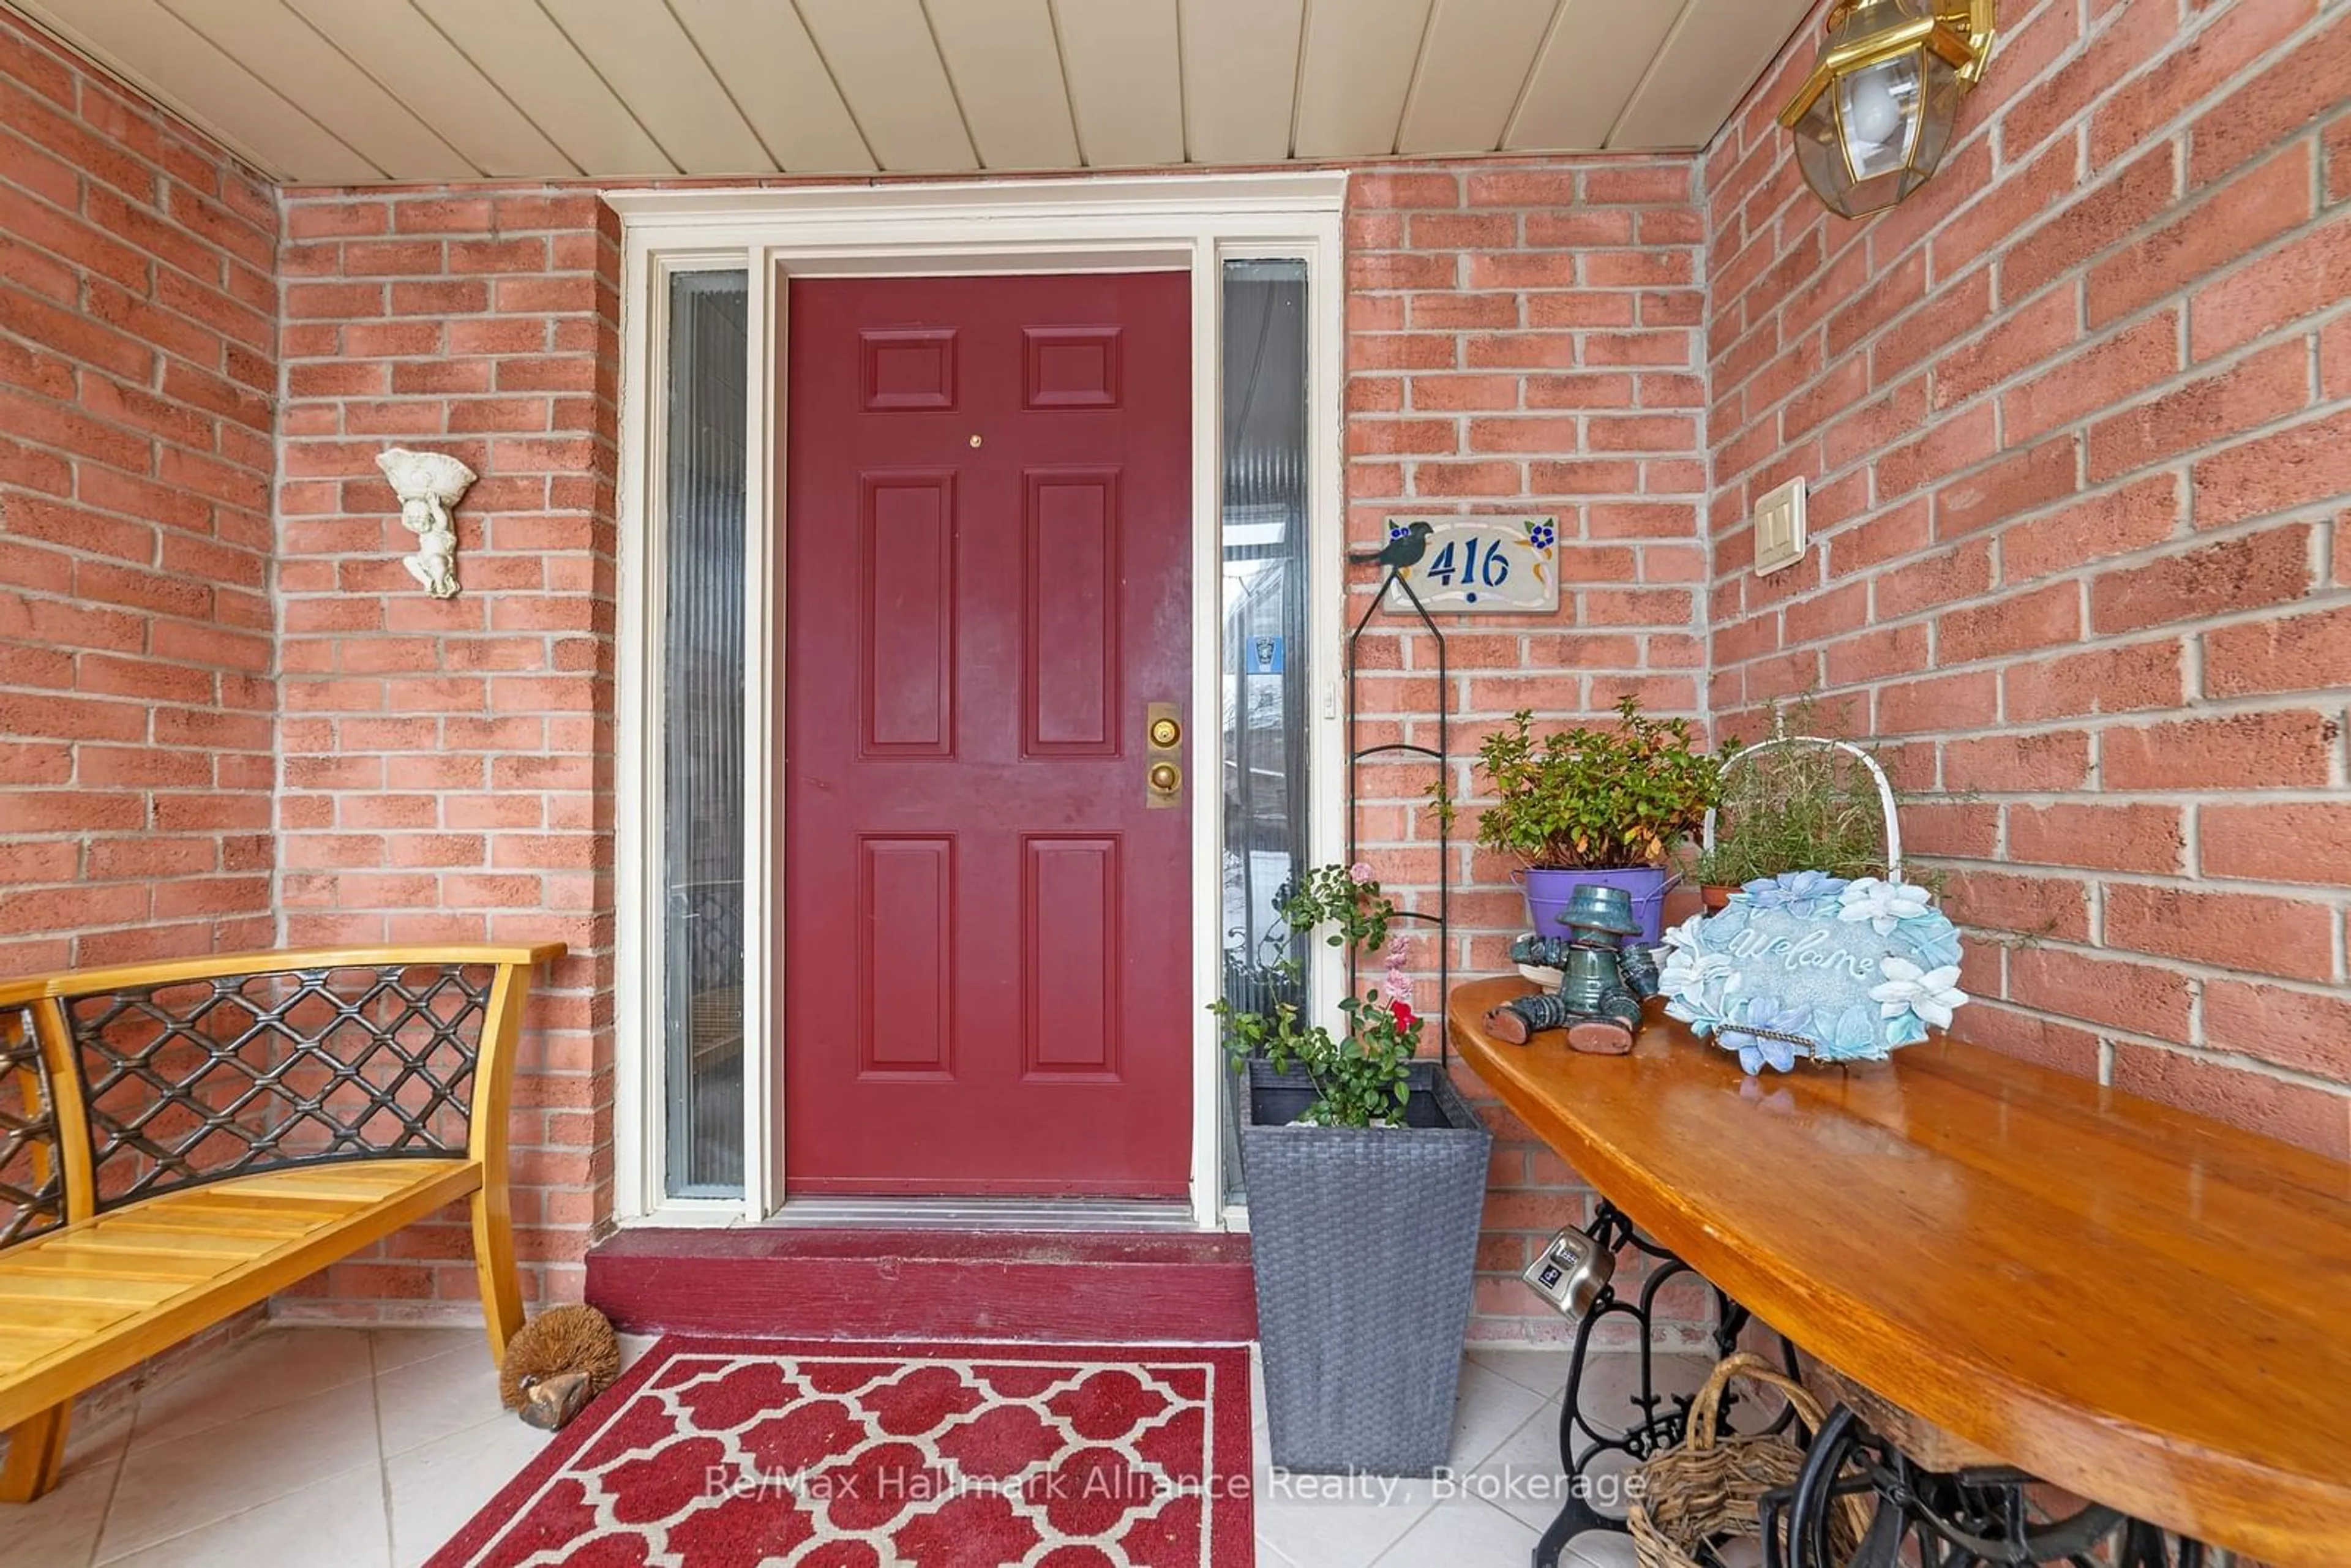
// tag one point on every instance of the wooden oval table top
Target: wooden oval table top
(2147, 1307)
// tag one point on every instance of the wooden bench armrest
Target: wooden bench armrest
(485, 1143)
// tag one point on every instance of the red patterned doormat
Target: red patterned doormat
(811, 1453)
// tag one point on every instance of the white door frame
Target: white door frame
(1191, 224)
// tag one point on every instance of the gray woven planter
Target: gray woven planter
(1364, 1245)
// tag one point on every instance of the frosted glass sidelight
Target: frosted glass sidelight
(701, 698)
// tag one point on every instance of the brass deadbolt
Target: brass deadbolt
(1164, 733)
(1166, 778)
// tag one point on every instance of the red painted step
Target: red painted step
(915, 1284)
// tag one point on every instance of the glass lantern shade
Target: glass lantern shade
(1877, 113)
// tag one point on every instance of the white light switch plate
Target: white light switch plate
(1780, 529)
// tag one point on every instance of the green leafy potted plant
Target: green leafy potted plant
(1367, 1177)
(1807, 800)
(1595, 806)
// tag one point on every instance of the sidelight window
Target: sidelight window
(1267, 485)
(701, 726)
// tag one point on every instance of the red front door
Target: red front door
(989, 929)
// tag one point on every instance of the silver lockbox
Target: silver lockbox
(1571, 1271)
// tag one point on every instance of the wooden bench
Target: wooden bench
(179, 1141)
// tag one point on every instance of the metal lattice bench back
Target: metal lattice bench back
(227, 1074)
(260, 1116)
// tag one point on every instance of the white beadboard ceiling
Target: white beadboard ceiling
(363, 91)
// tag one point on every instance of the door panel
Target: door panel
(907, 1020)
(905, 639)
(1071, 895)
(1070, 647)
(988, 583)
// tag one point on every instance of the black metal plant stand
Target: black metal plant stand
(1664, 1418)
(1358, 754)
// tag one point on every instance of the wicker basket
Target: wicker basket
(1713, 1485)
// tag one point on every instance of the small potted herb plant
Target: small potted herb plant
(1806, 800)
(1595, 806)
(1367, 1177)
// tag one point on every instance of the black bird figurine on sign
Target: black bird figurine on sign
(1401, 550)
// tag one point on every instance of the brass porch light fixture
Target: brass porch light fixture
(1876, 117)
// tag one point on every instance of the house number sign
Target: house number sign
(1503, 566)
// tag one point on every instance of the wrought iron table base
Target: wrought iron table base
(1662, 1417)
(1971, 1519)
(1978, 1517)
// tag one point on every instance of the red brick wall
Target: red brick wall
(448, 764)
(2078, 424)
(1524, 338)
(138, 357)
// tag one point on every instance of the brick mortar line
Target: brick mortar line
(493, 233)
(1709, 538)
(1524, 293)
(2185, 799)
(407, 193)
(2185, 711)
(389, 317)
(280, 916)
(1463, 419)
(1495, 506)
(435, 356)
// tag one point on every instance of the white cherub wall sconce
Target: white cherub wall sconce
(429, 485)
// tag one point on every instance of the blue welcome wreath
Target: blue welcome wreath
(1812, 964)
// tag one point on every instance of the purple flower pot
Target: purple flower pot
(1548, 893)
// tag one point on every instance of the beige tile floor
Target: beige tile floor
(1506, 1484)
(301, 1447)
(368, 1449)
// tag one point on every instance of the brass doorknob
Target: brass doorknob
(1164, 733)
(1166, 778)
